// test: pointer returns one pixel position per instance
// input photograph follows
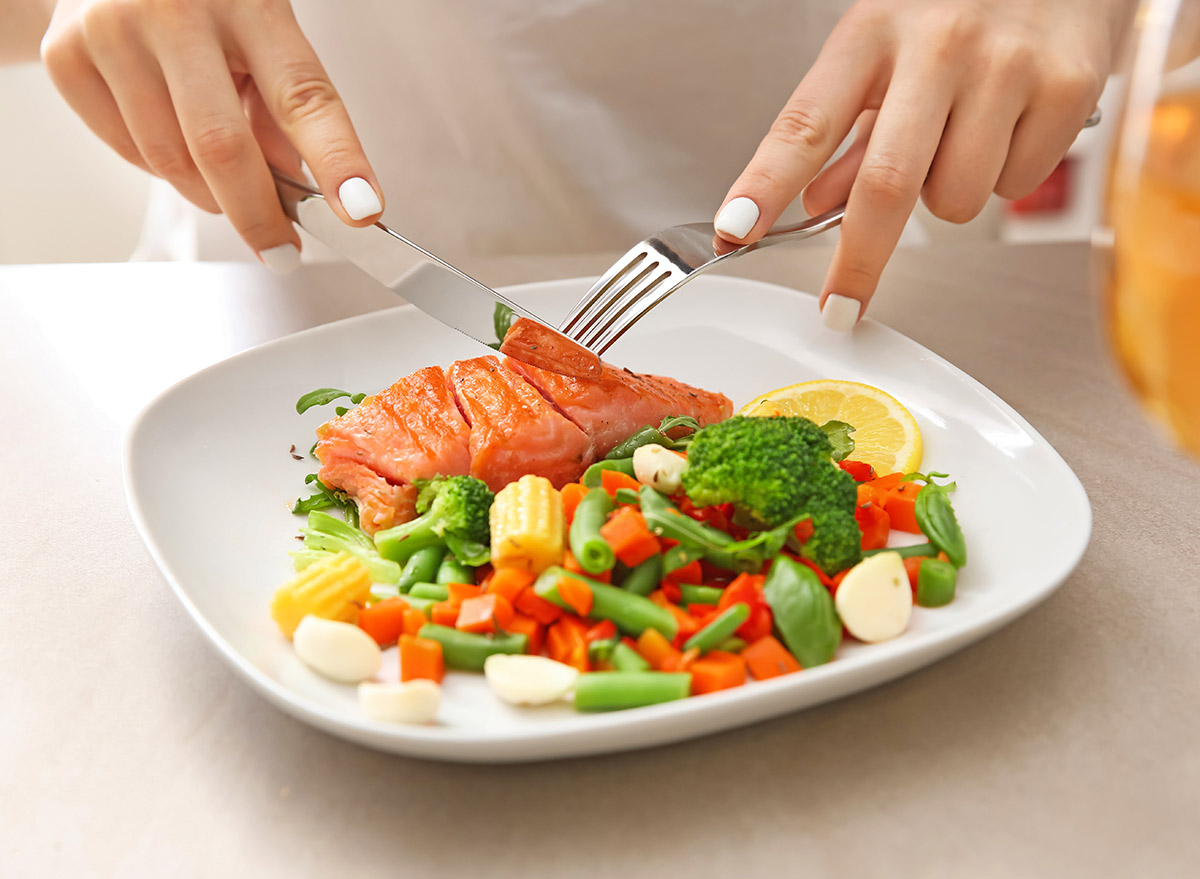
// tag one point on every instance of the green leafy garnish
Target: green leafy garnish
(839, 437)
(324, 497)
(324, 396)
(502, 319)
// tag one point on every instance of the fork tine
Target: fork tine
(629, 301)
(616, 291)
(614, 331)
(590, 299)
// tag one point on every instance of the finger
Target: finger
(1052, 120)
(221, 143)
(86, 93)
(137, 85)
(309, 111)
(806, 133)
(972, 154)
(277, 149)
(831, 187)
(901, 149)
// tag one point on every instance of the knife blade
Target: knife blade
(434, 286)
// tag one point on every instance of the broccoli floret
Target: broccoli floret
(771, 469)
(836, 541)
(457, 517)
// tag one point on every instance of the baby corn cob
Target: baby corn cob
(333, 588)
(527, 525)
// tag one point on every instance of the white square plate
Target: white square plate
(209, 480)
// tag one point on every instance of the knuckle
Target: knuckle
(306, 93)
(1072, 85)
(956, 31)
(886, 182)
(169, 161)
(220, 144)
(802, 126)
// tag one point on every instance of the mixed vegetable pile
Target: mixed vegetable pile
(686, 562)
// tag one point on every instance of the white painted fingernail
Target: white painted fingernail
(737, 218)
(358, 198)
(282, 259)
(840, 313)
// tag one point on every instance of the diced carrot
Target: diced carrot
(692, 573)
(602, 631)
(484, 613)
(611, 480)
(533, 605)
(867, 494)
(510, 582)
(570, 563)
(565, 642)
(874, 523)
(631, 539)
(686, 625)
(576, 594)
(656, 649)
(384, 620)
(572, 494)
(534, 631)
(900, 505)
(414, 620)
(421, 658)
(444, 613)
(460, 592)
(767, 658)
(717, 670)
(886, 483)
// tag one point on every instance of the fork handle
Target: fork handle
(810, 227)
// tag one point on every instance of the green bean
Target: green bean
(935, 516)
(467, 650)
(432, 591)
(451, 570)
(721, 627)
(627, 496)
(401, 547)
(380, 591)
(644, 578)
(422, 566)
(905, 552)
(424, 605)
(631, 613)
(591, 476)
(601, 650)
(804, 612)
(617, 690)
(627, 447)
(731, 645)
(936, 581)
(625, 658)
(693, 594)
(590, 549)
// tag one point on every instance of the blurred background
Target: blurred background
(69, 198)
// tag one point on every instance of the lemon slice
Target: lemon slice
(886, 436)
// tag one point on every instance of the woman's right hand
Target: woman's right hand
(205, 94)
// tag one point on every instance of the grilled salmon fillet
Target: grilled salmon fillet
(495, 419)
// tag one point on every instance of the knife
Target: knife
(434, 286)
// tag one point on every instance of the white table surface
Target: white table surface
(1068, 744)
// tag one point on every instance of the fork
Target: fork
(659, 265)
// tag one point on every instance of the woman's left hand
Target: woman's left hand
(954, 100)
